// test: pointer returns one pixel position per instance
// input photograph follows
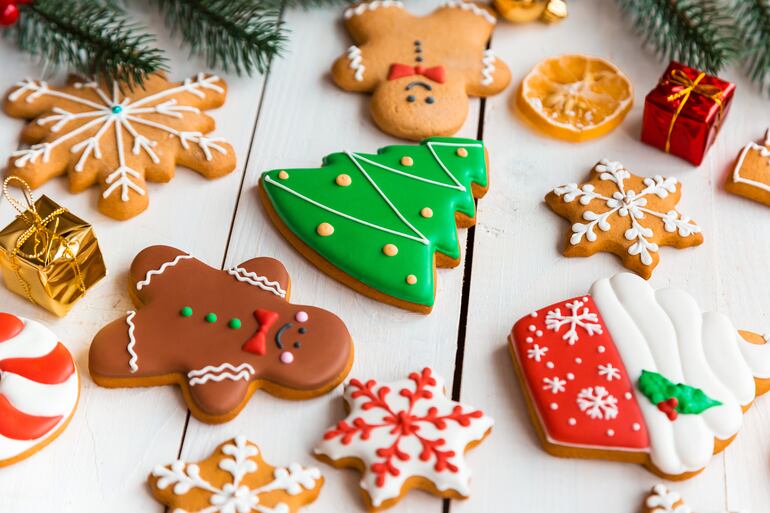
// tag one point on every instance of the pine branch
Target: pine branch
(698, 33)
(753, 23)
(87, 37)
(307, 4)
(238, 35)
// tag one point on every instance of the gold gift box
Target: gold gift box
(50, 256)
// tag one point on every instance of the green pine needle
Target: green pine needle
(753, 22)
(235, 35)
(698, 33)
(87, 37)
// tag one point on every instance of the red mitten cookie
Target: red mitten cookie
(39, 388)
(219, 335)
(629, 373)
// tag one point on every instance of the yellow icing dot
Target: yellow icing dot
(407, 161)
(411, 279)
(283, 175)
(462, 152)
(325, 229)
(343, 180)
(390, 249)
(426, 212)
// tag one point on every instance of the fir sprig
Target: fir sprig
(88, 37)
(753, 22)
(698, 33)
(235, 35)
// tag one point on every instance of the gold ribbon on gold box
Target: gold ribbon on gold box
(47, 254)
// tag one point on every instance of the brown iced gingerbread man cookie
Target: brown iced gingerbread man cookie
(219, 335)
(420, 69)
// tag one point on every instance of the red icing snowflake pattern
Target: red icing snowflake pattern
(404, 429)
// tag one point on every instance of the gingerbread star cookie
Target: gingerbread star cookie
(420, 70)
(118, 137)
(625, 214)
(235, 479)
(751, 175)
(629, 373)
(219, 335)
(663, 500)
(403, 435)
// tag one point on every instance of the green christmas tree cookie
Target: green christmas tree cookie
(382, 223)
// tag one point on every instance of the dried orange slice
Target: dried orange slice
(574, 97)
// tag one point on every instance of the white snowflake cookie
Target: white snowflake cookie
(235, 479)
(403, 435)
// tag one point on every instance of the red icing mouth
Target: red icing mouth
(10, 326)
(258, 343)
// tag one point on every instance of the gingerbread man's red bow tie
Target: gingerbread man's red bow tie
(435, 73)
(258, 343)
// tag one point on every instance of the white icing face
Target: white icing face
(665, 331)
(37, 397)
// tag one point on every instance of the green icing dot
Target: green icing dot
(211, 317)
(235, 323)
(186, 312)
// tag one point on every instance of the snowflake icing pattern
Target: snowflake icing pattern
(537, 353)
(598, 403)
(405, 429)
(555, 320)
(609, 372)
(555, 384)
(140, 130)
(236, 497)
(627, 206)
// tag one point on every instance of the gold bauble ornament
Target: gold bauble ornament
(524, 11)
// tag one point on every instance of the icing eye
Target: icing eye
(211, 318)
(302, 331)
(235, 323)
(301, 316)
(186, 311)
(430, 100)
(410, 98)
(297, 345)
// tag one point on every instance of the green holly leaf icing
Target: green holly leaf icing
(381, 202)
(657, 389)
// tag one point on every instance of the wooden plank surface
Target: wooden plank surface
(100, 463)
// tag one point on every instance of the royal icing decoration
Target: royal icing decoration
(663, 500)
(471, 7)
(39, 387)
(356, 62)
(645, 208)
(219, 335)
(251, 484)
(383, 206)
(656, 376)
(150, 127)
(371, 6)
(405, 429)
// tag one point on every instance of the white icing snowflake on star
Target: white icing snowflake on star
(234, 496)
(597, 403)
(536, 352)
(589, 321)
(609, 372)
(555, 384)
(628, 204)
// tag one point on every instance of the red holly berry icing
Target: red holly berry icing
(576, 379)
(405, 429)
(10, 326)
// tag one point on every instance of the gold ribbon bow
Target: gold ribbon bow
(689, 87)
(44, 236)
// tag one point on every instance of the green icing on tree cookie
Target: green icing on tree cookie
(660, 391)
(380, 218)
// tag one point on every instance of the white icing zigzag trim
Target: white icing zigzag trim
(216, 374)
(371, 6)
(132, 342)
(241, 274)
(468, 6)
(354, 55)
(489, 67)
(148, 277)
(764, 152)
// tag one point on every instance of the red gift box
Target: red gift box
(684, 112)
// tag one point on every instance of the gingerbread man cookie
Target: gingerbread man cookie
(219, 335)
(629, 373)
(403, 435)
(664, 500)
(625, 214)
(235, 479)
(420, 69)
(751, 175)
(39, 388)
(118, 137)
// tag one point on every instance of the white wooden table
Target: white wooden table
(295, 116)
